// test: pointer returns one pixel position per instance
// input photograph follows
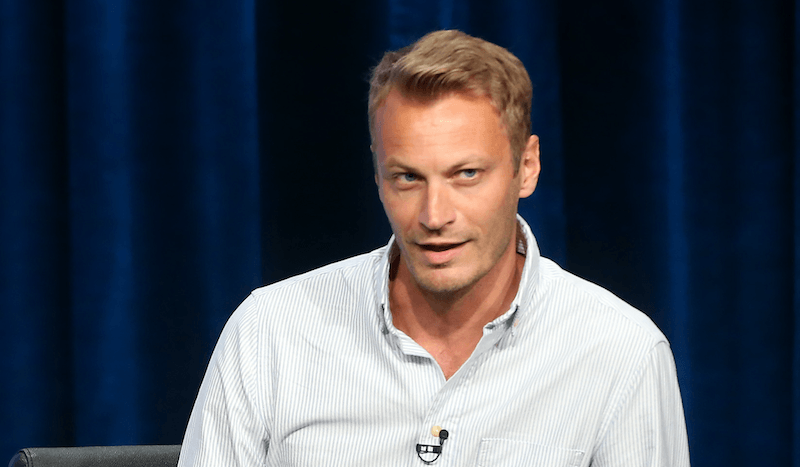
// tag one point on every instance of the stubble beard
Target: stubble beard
(449, 289)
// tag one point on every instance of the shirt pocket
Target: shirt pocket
(497, 452)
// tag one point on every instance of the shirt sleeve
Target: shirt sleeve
(648, 428)
(226, 427)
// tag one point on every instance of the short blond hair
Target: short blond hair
(444, 62)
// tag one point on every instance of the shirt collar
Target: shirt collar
(526, 245)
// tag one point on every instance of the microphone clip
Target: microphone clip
(429, 453)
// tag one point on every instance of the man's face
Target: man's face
(447, 182)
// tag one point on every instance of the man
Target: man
(456, 344)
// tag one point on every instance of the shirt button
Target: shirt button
(435, 430)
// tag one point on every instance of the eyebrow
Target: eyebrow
(393, 162)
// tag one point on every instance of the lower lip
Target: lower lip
(441, 257)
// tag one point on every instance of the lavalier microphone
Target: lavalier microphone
(429, 453)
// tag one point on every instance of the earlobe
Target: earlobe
(530, 167)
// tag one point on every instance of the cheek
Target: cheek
(398, 211)
(489, 204)
(493, 215)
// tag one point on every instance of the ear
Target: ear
(529, 167)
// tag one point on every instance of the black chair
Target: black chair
(98, 456)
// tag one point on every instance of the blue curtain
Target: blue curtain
(158, 160)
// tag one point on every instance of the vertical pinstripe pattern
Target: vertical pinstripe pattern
(310, 372)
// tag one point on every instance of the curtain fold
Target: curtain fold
(34, 222)
(130, 225)
(796, 233)
(676, 202)
(160, 160)
(105, 323)
(740, 178)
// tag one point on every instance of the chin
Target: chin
(445, 284)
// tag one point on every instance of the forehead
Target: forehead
(451, 122)
(397, 99)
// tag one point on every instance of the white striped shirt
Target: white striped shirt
(310, 371)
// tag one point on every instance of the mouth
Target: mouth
(440, 246)
(440, 253)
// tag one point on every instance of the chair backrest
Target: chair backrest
(98, 456)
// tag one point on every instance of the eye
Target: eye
(468, 177)
(405, 180)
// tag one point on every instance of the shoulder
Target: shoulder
(335, 279)
(593, 310)
(312, 296)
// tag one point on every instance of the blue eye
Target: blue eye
(408, 177)
(469, 173)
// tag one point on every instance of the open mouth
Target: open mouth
(440, 247)
(440, 254)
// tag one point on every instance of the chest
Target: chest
(502, 408)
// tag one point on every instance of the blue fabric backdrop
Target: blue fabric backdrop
(158, 160)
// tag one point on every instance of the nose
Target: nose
(437, 210)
